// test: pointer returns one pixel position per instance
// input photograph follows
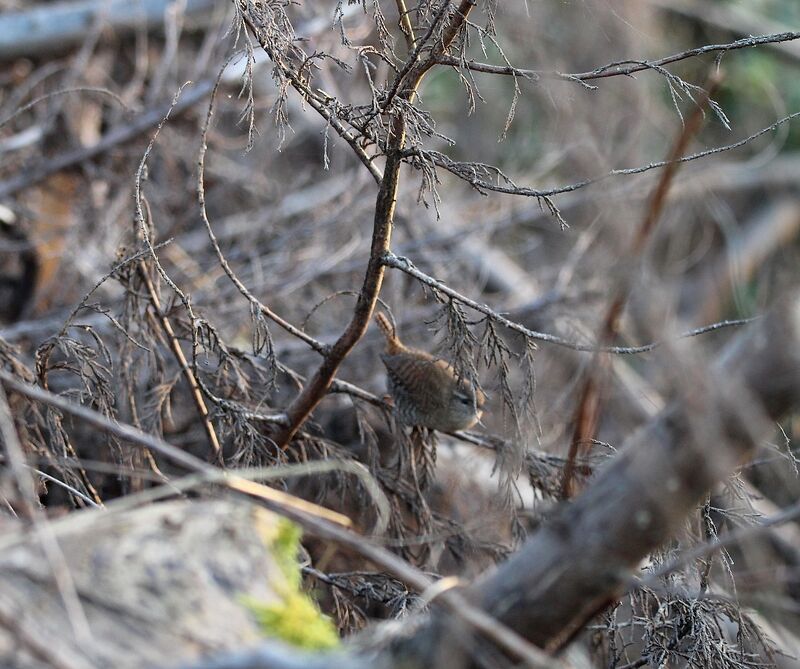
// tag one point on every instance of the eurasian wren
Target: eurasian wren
(426, 390)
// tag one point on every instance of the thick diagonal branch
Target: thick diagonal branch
(585, 555)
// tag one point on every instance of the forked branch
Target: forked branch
(316, 388)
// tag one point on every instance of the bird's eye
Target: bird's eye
(465, 400)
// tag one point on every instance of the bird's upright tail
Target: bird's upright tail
(393, 344)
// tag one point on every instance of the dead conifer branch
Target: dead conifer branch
(622, 68)
(235, 331)
(488, 178)
(786, 515)
(262, 27)
(313, 392)
(275, 499)
(405, 265)
(183, 363)
(582, 557)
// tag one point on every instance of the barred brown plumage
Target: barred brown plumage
(425, 389)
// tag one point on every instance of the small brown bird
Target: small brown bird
(425, 389)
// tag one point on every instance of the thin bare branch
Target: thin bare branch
(405, 265)
(621, 67)
(469, 171)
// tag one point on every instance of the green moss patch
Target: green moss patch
(296, 618)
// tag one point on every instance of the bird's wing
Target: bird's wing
(426, 379)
